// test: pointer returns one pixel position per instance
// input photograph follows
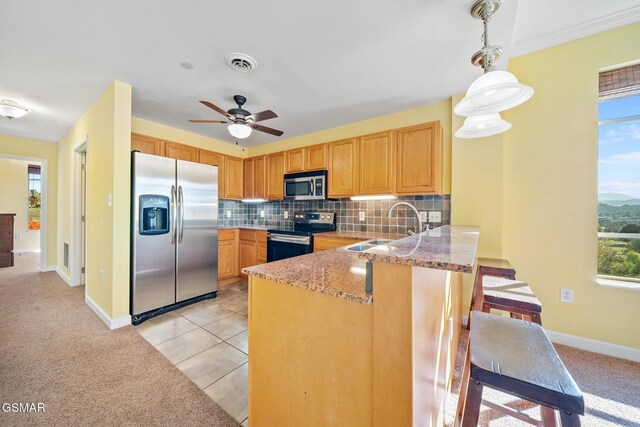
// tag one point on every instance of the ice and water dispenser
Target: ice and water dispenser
(154, 214)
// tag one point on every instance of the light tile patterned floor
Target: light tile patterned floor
(208, 342)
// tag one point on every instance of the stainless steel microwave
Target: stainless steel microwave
(306, 185)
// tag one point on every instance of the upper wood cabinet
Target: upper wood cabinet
(419, 159)
(343, 168)
(180, 151)
(315, 157)
(214, 159)
(275, 176)
(260, 177)
(295, 160)
(376, 163)
(249, 180)
(233, 178)
(147, 144)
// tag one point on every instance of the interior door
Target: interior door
(153, 255)
(197, 254)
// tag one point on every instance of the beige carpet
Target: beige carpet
(611, 389)
(55, 350)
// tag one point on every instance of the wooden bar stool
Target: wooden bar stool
(488, 267)
(516, 357)
(513, 296)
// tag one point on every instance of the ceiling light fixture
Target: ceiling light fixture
(11, 109)
(495, 90)
(239, 130)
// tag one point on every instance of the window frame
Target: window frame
(29, 180)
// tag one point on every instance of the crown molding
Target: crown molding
(598, 25)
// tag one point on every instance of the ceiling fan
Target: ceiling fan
(240, 121)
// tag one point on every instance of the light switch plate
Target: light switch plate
(423, 216)
(361, 216)
(109, 200)
(435, 216)
(286, 214)
(228, 214)
(261, 213)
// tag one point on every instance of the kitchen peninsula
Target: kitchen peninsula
(326, 352)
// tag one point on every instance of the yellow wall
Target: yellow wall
(438, 111)
(145, 127)
(549, 187)
(15, 199)
(14, 146)
(106, 126)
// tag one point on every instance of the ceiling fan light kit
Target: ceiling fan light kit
(494, 91)
(239, 130)
(11, 109)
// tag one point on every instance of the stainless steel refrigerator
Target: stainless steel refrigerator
(174, 234)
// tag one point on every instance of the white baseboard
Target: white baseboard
(601, 347)
(111, 323)
(26, 251)
(49, 268)
(64, 276)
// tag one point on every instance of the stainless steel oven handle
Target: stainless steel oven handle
(299, 240)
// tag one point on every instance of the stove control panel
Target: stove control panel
(314, 217)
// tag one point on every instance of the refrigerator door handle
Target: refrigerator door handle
(181, 207)
(172, 223)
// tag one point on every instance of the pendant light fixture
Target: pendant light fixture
(11, 109)
(494, 91)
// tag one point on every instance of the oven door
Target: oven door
(299, 188)
(281, 246)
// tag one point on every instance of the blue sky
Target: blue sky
(619, 148)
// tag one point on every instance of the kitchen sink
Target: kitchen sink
(363, 246)
(378, 241)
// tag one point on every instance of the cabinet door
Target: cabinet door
(315, 157)
(275, 176)
(249, 179)
(262, 253)
(214, 159)
(248, 254)
(376, 163)
(227, 259)
(180, 151)
(146, 144)
(343, 168)
(233, 182)
(260, 177)
(295, 160)
(419, 159)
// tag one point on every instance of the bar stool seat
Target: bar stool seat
(513, 296)
(516, 357)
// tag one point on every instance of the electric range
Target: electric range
(283, 244)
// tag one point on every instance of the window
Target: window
(619, 175)
(34, 197)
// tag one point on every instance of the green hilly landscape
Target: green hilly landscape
(619, 213)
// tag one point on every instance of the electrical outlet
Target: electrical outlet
(109, 200)
(361, 216)
(261, 213)
(566, 295)
(101, 276)
(228, 214)
(286, 214)
(18, 236)
(435, 216)
(423, 216)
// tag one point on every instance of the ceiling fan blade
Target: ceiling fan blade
(207, 121)
(263, 115)
(215, 107)
(266, 129)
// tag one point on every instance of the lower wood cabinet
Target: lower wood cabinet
(252, 248)
(323, 243)
(227, 253)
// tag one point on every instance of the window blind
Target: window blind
(621, 82)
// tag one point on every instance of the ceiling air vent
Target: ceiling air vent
(241, 62)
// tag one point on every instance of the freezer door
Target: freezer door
(197, 237)
(153, 255)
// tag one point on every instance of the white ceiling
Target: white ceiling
(320, 64)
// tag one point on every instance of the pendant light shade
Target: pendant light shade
(239, 130)
(484, 125)
(11, 109)
(493, 92)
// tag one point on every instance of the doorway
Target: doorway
(79, 243)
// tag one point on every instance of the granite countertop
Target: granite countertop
(449, 247)
(333, 272)
(363, 235)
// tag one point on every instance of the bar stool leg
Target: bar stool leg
(464, 383)
(569, 420)
(548, 416)
(472, 404)
(476, 296)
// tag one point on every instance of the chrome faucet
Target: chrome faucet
(415, 211)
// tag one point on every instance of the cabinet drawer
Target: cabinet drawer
(228, 234)
(248, 235)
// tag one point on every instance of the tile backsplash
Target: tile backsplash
(347, 213)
